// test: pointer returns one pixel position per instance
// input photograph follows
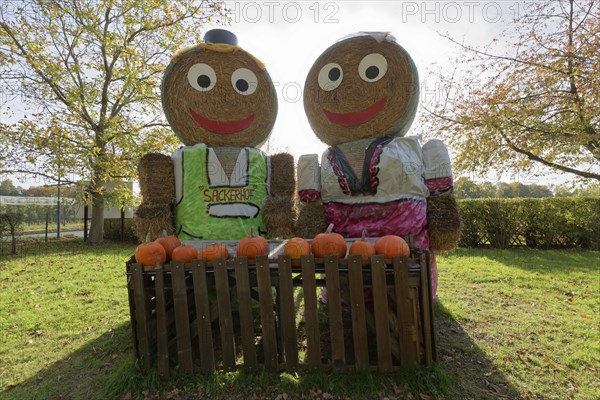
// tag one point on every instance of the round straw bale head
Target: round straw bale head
(220, 98)
(363, 86)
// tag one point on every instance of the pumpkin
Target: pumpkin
(329, 243)
(252, 246)
(391, 245)
(213, 251)
(363, 248)
(150, 253)
(169, 242)
(296, 247)
(185, 253)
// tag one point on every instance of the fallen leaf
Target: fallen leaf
(495, 388)
(398, 389)
(584, 316)
(173, 394)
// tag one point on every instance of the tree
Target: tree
(464, 188)
(89, 72)
(12, 221)
(7, 188)
(535, 103)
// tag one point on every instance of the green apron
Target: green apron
(225, 212)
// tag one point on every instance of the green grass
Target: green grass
(511, 324)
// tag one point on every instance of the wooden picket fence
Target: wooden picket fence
(267, 314)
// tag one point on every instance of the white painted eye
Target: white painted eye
(244, 81)
(372, 67)
(330, 76)
(202, 77)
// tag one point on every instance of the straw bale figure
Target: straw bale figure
(361, 97)
(221, 103)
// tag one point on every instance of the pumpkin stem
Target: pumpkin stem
(251, 232)
(364, 235)
(164, 232)
(148, 238)
(329, 229)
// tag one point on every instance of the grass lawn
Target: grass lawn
(511, 324)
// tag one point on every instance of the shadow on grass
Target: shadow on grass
(106, 368)
(84, 374)
(472, 372)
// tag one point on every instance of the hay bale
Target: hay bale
(444, 223)
(283, 176)
(399, 86)
(157, 179)
(153, 219)
(279, 214)
(311, 219)
(222, 103)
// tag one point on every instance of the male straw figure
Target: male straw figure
(360, 97)
(221, 103)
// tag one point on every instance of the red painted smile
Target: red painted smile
(222, 127)
(357, 117)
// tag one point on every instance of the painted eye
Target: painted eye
(372, 67)
(244, 81)
(330, 76)
(202, 77)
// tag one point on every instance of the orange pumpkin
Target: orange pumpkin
(252, 246)
(185, 253)
(150, 253)
(169, 242)
(296, 247)
(391, 245)
(363, 248)
(213, 251)
(328, 244)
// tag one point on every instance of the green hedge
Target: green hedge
(545, 223)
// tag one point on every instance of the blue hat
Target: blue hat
(220, 36)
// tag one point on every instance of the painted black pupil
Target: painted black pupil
(204, 81)
(372, 72)
(241, 85)
(334, 74)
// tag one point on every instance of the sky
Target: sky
(288, 36)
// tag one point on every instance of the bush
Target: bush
(543, 223)
(112, 230)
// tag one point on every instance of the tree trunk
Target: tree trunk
(13, 247)
(97, 221)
